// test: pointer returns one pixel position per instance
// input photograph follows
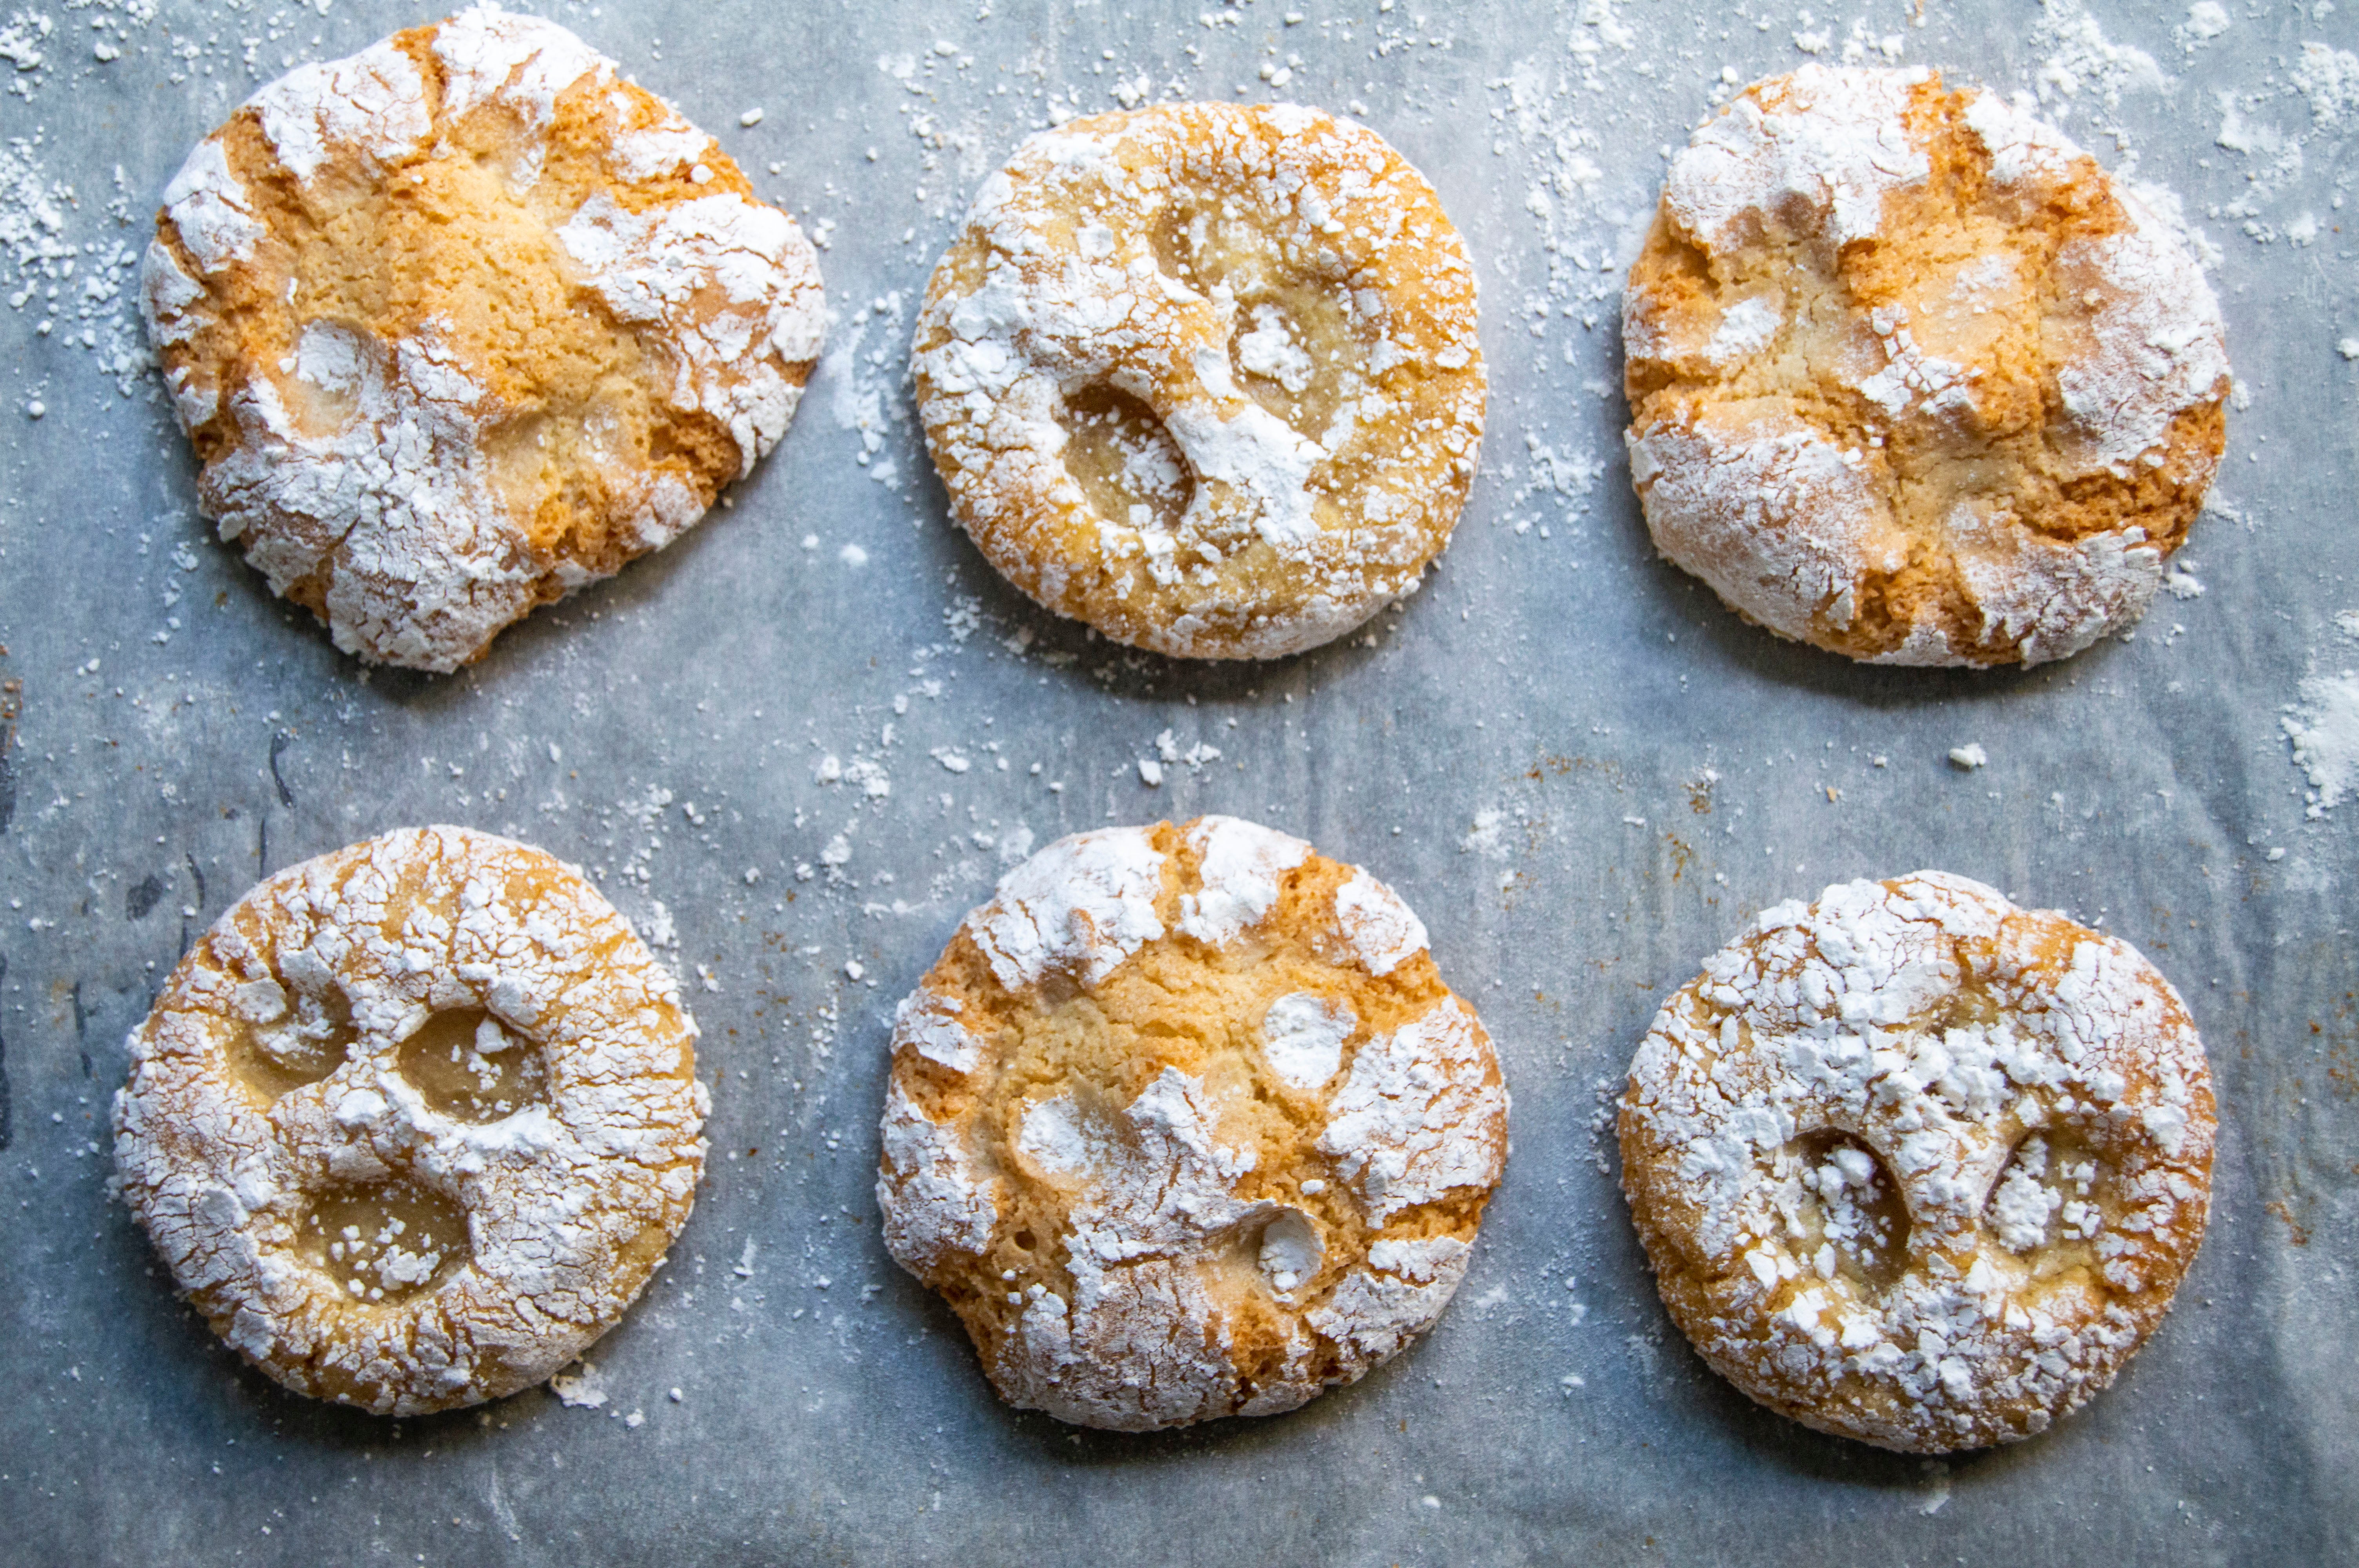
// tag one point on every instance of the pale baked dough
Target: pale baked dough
(1912, 378)
(1205, 376)
(464, 321)
(1184, 1124)
(1918, 1167)
(414, 1121)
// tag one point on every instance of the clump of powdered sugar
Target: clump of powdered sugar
(2323, 729)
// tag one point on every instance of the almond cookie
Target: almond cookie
(414, 1121)
(1184, 1124)
(1914, 380)
(464, 321)
(1205, 376)
(1915, 1166)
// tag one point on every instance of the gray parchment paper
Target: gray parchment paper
(1581, 770)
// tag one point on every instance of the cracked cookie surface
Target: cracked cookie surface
(1184, 1124)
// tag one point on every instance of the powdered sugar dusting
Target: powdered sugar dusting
(1818, 157)
(1082, 905)
(1241, 862)
(1383, 931)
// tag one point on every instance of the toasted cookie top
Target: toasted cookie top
(1184, 1124)
(414, 1121)
(1206, 375)
(1912, 378)
(1915, 1166)
(465, 321)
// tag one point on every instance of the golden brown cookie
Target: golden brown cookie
(1918, 1167)
(1184, 1124)
(1205, 376)
(414, 1121)
(464, 321)
(1911, 378)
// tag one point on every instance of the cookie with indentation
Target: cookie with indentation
(1911, 378)
(1205, 376)
(413, 1122)
(1918, 1167)
(1184, 1124)
(464, 321)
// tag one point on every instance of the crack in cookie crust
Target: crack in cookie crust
(464, 321)
(413, 1123)
(1176, 1138)
(1915, 1166)
(1205, 376)
(1913, 379)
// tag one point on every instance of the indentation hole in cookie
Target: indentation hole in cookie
(285, 1034)
(468, 1065)
(1853, 1221)
(1289, 1250)
(1129, 469)
(1295, 352)
(386, 1243)
(2047, 1193)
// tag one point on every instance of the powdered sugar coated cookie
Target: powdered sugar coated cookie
(464, 321)
(414, 1121)
(1912, 379)
(1206, 375)
(1918, 1167)
(1179, 1139)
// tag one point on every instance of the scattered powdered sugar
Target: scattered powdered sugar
(2329, 79)
(2080, 58)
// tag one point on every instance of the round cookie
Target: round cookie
(1912, 379)
(414, 1121)
(464, 321)
(1915, 1166)
(1184, 1124)
(1205, 376)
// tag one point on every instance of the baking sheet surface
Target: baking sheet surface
(1580, 771)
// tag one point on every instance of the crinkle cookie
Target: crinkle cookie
(1205, 376)
(1915, 1166)
(466, 321)
(1184, 1124)
(1914, 380)
(414, 1121)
